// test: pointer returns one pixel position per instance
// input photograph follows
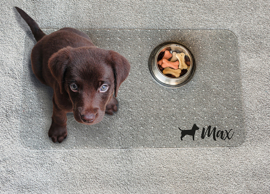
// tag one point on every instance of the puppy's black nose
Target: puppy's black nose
(89, 118)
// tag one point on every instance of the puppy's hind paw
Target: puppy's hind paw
(112, 106)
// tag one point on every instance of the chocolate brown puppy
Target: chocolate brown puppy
(85, 79)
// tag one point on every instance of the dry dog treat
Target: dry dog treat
(167, 55)
(174, 72)
(181, 59)
(164, 54)
(165, 63)
(174, 58)
(160, 56)
(187, 60)
(172, 62)
(166, 49)
(183, 72)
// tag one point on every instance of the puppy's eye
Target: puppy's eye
(73, 87)
(104, 88)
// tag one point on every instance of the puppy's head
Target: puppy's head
(90, 77)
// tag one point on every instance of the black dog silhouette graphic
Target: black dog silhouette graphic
(189, 132)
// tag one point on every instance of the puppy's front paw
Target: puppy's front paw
(112, 106)
(57, 133)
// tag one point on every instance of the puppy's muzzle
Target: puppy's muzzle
(89, 117)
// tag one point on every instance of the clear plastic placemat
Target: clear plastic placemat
(150, 116)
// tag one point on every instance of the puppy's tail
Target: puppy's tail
(37, 32)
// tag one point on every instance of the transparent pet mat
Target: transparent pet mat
(150, 115)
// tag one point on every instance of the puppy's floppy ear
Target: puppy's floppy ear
(121, 68)
(58, 63)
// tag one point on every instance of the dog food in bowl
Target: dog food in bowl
(171, 64)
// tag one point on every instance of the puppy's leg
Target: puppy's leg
(58, 129)
(112, 106)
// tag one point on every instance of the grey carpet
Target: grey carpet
(242, 169)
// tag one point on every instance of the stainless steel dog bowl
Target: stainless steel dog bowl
(165, 80)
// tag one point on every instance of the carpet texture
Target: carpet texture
(67, 169)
